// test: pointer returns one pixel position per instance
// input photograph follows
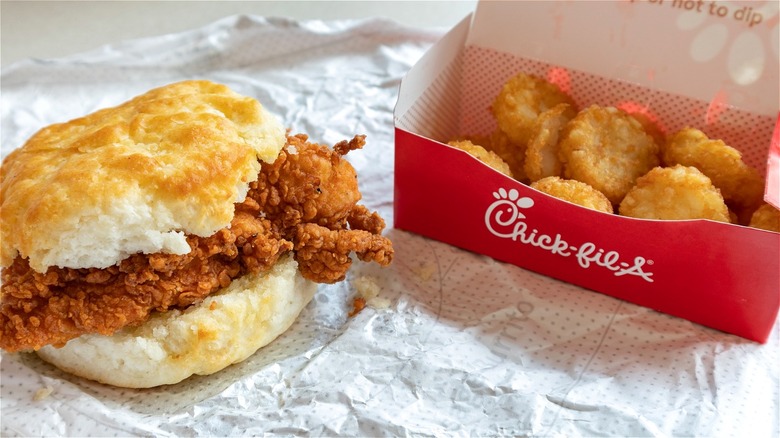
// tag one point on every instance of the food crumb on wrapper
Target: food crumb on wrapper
(424, 272)
(379, 303)
(43, 393)
(367, 295)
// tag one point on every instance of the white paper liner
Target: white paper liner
(467, 346)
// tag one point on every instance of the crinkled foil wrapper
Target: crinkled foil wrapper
(462, 345)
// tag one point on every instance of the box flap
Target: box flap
(659, 44)
(442, 59)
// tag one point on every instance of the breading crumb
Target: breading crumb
(358, 304)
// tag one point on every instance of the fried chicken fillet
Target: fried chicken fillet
(305, 202)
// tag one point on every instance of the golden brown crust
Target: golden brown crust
(512, 154)
(174, 160)
(575, 192)
(766, 217)
(607, 149)
(521, 100)
(675, 193)
(488, 157)
(741, 185)
(541, 156)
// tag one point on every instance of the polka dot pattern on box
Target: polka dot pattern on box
(486, 70)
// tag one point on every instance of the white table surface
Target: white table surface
(53, 29)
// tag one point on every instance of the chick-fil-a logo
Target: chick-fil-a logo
(504, 218)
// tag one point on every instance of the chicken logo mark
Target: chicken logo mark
(504, 218)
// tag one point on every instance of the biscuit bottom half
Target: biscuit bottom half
(225, 328)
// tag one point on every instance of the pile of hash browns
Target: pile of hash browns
(609, 160)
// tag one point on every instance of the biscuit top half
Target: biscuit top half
(135, 178)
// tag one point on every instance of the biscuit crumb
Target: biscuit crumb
(378, 303)
(425, 272)
(367, 295)
(366, 287)
(43, 393)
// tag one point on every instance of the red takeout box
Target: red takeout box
(715, 69)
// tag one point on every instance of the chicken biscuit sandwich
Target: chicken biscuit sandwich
(174, 234)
